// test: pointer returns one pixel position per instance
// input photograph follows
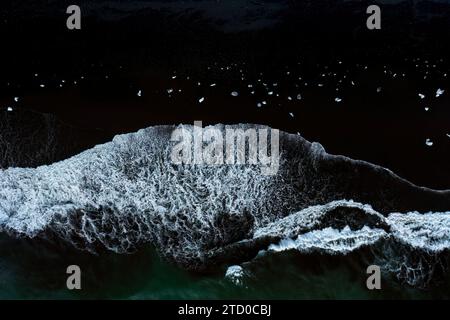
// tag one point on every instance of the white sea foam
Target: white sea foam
(235, 274)
(125, 193)
(429, 232)
(330, 240)
(409, 244)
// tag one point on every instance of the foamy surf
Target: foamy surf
(408, 245)
(126, 193)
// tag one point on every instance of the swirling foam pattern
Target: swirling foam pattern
(126, 193)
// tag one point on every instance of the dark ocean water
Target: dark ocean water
(355, 92)
(144, 275)
(91, 78)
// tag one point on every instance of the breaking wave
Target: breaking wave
(410, 245)
(126, 193)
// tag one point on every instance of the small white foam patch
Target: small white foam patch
(235, 274)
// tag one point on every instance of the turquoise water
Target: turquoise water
(30, 270)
